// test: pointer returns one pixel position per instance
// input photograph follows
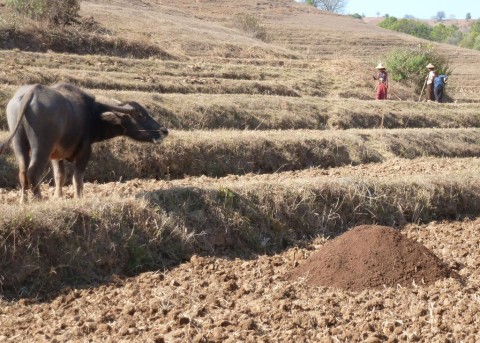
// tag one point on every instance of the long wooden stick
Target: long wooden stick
(395, 95)
(421, 93)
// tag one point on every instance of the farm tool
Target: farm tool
(423, 88)
(395, 95)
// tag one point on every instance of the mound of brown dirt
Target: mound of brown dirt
(371, 256)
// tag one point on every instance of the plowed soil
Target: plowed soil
(211, 299)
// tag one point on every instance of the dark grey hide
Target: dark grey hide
(62, 122)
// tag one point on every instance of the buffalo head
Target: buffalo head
(133, 120)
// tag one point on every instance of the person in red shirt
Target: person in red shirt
(383, 75)
(381, 89)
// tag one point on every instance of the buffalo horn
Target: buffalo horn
(122, 109)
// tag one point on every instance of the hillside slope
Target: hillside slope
(207, 29)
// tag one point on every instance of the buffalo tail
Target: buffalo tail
(27, 98)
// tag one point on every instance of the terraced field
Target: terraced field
(275, 148)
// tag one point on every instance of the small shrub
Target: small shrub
(57, 12)
(250, 24)
(356, 16)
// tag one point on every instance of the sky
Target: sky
(421, 9)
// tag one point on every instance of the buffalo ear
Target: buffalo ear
(111, 118)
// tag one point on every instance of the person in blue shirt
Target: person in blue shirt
(438, 86)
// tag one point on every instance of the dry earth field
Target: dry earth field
(276, 148)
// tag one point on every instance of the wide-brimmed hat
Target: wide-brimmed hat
(380, 66)
(430, 66)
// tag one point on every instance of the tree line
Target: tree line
(440, 32)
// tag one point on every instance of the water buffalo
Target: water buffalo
(61, 122)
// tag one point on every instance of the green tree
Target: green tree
(441, 33)
(407, 65)
(468, 16)
(413, 27)
(468, 40)
(388, 22)
(476, 43)
(409, 26)
(475, 27)
(470, 37)
(455, 38)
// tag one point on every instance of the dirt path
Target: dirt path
(221, 300)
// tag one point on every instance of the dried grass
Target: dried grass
(95, 238)
(30, 35)
(219, 153)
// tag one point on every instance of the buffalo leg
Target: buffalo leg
(59, 175)
(22, 154)
(37, 166)
(78, 183)
(80, 164)
(22, 175)
(23, 161)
